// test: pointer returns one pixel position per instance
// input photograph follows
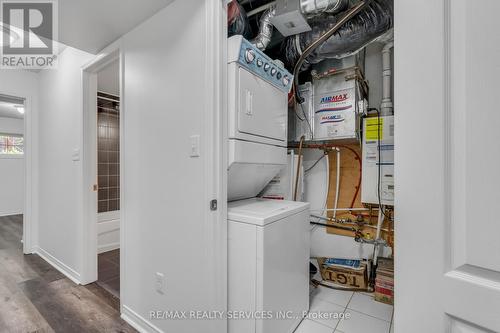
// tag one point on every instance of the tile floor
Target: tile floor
(361, 313)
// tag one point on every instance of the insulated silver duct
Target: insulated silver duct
(311, 8)
(368, 25)
(265, 30)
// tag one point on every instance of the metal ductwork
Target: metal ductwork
(265, 29)
(237, 20)
(371, 23)
(312, 8)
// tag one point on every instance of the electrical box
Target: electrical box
(372, 162)
(301, 118)
(289, 19)
(332, 103)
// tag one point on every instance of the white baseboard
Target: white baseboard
(59, 265)
(136, 321)
(108, 247)
(11, 213)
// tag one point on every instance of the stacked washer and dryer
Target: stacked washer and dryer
(268, 240)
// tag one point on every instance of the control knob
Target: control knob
(249, 55)
(273, 71)
(286, 80)
(259, 62)
(266, 67)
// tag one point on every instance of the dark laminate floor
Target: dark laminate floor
(34, 297)
(109, 271)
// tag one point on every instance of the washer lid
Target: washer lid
(263, 211)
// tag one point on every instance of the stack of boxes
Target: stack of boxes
(384, 282)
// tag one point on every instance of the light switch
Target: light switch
(195, 146)
(76, 155)
(160, 283)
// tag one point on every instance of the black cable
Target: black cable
(333, 226)
(304, 114)
(315, 163)
(318, 283)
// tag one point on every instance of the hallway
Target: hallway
(36, 297)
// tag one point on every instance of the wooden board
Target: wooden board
(350, 174)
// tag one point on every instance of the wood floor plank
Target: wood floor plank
(35, 297)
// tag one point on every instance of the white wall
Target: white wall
(60, 126)
(165, 201)
(11, 172)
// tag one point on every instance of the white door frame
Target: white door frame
(89, 163)
(28, 198)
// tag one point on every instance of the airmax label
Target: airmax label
(334, 98)
(332, 119)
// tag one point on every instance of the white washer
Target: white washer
(268, 264)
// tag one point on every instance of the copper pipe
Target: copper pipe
(302, 138)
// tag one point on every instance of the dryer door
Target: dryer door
(262, 108)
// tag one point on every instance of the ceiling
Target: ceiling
(7, 110)
(91, 25)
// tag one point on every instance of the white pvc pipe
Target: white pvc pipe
(386, 108)
(337, 186)
(327, 181)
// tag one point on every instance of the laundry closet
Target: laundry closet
(310, 165)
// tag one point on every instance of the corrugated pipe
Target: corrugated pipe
(311, 8)
(265, 30)
(372, 22)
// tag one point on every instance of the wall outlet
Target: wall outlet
(160, 283)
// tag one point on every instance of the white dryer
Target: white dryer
(257, 118)
(268, 265)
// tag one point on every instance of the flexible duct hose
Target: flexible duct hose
(311, 8)
(265, 30)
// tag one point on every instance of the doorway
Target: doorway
(108, 178)
(12, 171)
(102, 133)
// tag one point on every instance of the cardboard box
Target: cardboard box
(343, 276)
(384, 282)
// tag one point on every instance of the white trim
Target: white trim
(12, 156)
(108, 247)
(57, 264)
(89, 218)
(138, 322)
(10, 214)
(216, 148)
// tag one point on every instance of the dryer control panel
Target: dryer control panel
(247, 55)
